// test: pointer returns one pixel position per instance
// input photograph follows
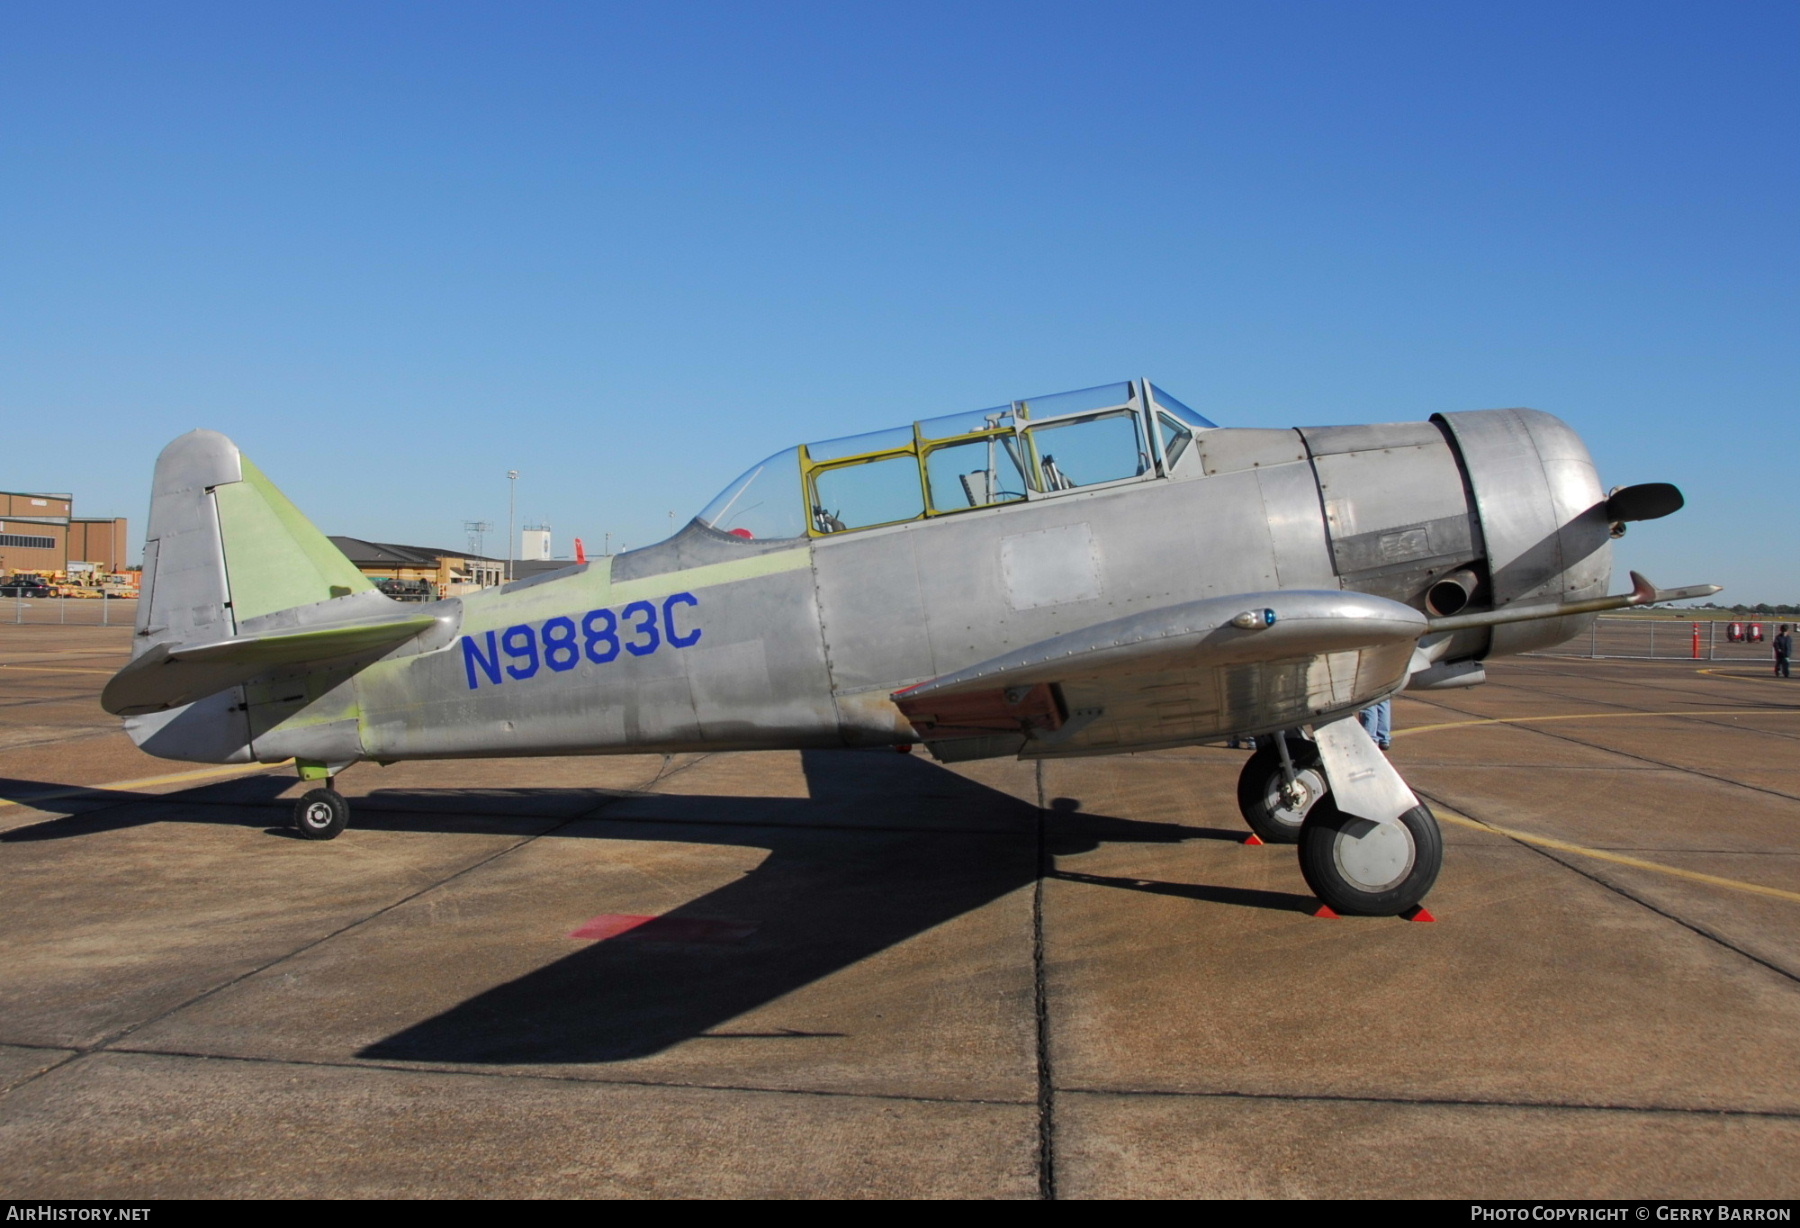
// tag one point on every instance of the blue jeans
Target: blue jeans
(1379, 721)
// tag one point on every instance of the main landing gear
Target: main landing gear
(1279, 786)
(1355, 865)
(1370, 869)
(322, 813)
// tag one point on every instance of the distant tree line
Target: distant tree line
(1761, 607)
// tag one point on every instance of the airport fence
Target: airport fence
(1670, 639)
(70, 611)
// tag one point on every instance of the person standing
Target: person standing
(1378, 719)
(1784, 648)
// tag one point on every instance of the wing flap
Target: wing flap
(170, 675)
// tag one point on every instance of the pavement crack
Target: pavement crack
(1456, 1102)
(1611, 750)
(1551, 854)
(111, 1042)
(513, 1072)
(1046, 1084)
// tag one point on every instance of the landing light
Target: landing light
(1254, 620)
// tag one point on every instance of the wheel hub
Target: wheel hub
(1374, 856)
(1294, 798)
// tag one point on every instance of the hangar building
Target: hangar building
(40, 533)
(420, 573)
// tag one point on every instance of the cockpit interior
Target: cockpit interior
(1037, 448)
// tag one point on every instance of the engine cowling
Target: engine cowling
(1470, 511)
(1542, 514)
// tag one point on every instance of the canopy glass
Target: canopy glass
(1030, 449)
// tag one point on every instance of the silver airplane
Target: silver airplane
(1090, 573)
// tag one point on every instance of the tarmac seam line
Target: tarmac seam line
(239, 769)
(1638, 863)
(1046, 1085)
(1437, 1102)
(64, 1049)
(1530, 725)
(1668, 686)
(1747, 709)
(1692, 926)
(173, 799)
(108, 1043)
(515, 1073)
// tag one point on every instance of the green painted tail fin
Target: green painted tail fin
(274, 558)
(225, 548)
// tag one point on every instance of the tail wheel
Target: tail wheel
(1370, 869)
(1274, 808)
(321, 814)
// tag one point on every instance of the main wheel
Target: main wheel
(321, 814)
(1370, 869)
(1273, 808)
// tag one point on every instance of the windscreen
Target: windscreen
(1194, 419)
(764, 502)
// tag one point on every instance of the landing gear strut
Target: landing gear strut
(1355, 865)
(1279, 786)
(322, 813)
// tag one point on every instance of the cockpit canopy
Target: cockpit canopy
(1032, 449)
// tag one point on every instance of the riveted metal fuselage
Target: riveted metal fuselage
(708, 641)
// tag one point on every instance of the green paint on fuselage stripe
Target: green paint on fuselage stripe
(594, 588)
(709, 574)
(274, 558)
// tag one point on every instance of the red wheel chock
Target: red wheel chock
(1418, 912)
(1325, 910)
(1253, 838)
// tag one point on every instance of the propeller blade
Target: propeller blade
(1648, 501)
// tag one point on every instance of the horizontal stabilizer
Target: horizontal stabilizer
(1642, 593)
(170, 675)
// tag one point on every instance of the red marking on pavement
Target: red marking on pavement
(1252, 838)
(1325, 911)
(663, 929)
(1418, 912)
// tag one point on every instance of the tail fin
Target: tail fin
(226, 549)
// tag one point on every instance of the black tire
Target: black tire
(1382, 879)
(321, 814)
(1277, 819)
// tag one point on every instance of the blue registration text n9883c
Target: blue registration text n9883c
(561, 643)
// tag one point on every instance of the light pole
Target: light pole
(512, 490)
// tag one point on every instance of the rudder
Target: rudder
(226, 548)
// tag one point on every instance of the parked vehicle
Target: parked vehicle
(24, 586)
(408, 590)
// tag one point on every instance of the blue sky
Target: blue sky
(397, 249)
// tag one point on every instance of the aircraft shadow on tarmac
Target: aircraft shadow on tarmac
(850, 872)
(86, 811)
(826, 898)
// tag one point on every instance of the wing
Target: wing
(1203, 670)
(1188, 673)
